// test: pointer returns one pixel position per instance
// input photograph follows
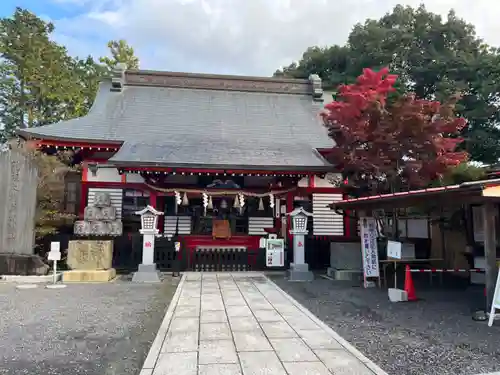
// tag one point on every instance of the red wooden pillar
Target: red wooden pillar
(289, 208)
(160, 200)
(153, 202)
(347, 220)
(84, 192)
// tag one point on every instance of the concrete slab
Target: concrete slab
(229, 324)
(217, 351)
(185, 324)
(214, 317)
(337, 361)
(293, 350)
(306, 368)
(183, 341)
(238, 311)
(215, 331)
(319, 339)
(246, 323)
(259, 363)
(277, 330)
(267, 316)
(220, 369)
(247, 341)
(187, 312)
(177, 363)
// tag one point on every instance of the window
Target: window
(133, 201)
(72, 186)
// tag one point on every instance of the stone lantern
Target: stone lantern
(299, 269)
(147, 271)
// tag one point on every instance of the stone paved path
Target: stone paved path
(243, 324)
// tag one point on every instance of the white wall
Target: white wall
(326, 222)
(256, 225)
(105, 175)
(318, 181)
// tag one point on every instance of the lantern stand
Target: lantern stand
(147, 272)
(299, 269)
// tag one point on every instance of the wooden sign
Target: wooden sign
(221, 229)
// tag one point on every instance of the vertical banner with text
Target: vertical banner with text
(369, 248)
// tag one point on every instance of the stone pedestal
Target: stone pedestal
(147, 271)
(90, 261)
(299, 269)
(300, 272)
(89, 275)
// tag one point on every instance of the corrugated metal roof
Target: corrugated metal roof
(466, 187)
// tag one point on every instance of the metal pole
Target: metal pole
(54, 270)
(395, 275)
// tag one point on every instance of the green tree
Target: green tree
(37, 79)
(433, 57)
(121, 52)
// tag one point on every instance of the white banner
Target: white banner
(369, 248)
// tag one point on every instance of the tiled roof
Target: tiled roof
(213, 153)
(208, 117)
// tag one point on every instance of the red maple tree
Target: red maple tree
(388, 143)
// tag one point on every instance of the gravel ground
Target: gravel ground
(84, 329)
(434, 335)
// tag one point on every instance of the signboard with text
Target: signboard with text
(369, 248)
(394, 249)
(495, 304)
(275, 252)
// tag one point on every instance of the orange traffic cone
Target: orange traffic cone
(409, 288)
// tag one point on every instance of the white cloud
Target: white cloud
(239, 36)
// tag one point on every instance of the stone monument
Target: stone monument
(91, 260)
(99, 219)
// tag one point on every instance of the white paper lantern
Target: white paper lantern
(185, 200)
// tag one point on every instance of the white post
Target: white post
(54, 277)
(148, 248)
(298, 249)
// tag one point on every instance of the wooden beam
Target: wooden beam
(490, 250)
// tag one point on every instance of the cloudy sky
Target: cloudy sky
(227, 36)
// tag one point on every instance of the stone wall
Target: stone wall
(18, 187)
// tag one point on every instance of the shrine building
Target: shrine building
(200, 147)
